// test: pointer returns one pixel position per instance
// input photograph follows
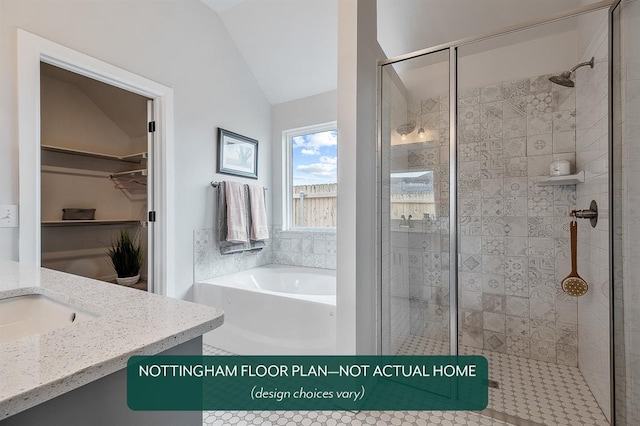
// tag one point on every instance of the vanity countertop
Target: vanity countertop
(37, 368)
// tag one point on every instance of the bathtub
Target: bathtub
(273, 310)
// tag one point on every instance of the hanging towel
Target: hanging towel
(236, 213)
(227, 247)
(222, 228)
(259, 227)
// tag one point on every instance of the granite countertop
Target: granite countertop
(40, 367)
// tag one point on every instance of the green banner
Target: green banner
(307, 383)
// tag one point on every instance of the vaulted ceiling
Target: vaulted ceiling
(127, 110)
(291, 45)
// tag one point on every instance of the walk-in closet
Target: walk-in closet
(94, 175)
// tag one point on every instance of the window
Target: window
(311, 191)
(412, 196)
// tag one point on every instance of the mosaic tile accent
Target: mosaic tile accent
(310, 249)
(513, 233)
(314, 249)
(209, 263)
(514, 129)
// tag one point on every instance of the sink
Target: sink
(31, 314)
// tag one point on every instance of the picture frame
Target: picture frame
(237, 154)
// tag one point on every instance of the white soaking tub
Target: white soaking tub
(273, 310)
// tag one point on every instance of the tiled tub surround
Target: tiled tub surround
(312, 249)
(309, 248)
(41, 367)
(514, 234)
(209, 263)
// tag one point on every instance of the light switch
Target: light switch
(8, 216)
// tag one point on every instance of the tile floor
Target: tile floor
(537, 392)
(530, 393)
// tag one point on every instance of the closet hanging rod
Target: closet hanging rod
(215, 184)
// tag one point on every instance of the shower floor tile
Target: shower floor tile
(344, 418)
(539, 392)
(347, 418)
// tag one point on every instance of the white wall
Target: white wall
(181, 44)
(486, 63)
(357, 290)
(588, 25)
(317, 109)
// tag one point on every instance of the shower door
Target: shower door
(476, 236)
(416, 207)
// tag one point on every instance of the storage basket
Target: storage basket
(78, 214)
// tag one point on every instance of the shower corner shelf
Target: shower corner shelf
(561, 180)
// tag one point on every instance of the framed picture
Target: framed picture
(237, 154)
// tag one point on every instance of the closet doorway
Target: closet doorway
(96, 187)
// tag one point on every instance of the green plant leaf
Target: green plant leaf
(126, 255)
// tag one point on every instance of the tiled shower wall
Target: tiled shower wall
(514, 238)
(315, 249)
(593, 243)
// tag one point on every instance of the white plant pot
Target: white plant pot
(129, 281)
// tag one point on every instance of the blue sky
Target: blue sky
(315, 158)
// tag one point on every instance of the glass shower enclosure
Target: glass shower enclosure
(416, 205)
(475, 234)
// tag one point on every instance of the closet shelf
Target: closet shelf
(131, 174)
(561, 180)
(49, 223)
(132, 158)
(74, 172)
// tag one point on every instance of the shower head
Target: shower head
(564, 79)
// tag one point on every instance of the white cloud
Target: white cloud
(318, 169)
(311, 144)
(329, 160)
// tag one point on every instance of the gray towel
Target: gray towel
(225, 246)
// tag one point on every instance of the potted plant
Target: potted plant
(126, 257)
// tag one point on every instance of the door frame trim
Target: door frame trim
(32, 50)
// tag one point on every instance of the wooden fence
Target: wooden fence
(315, 205)
(414, 205)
